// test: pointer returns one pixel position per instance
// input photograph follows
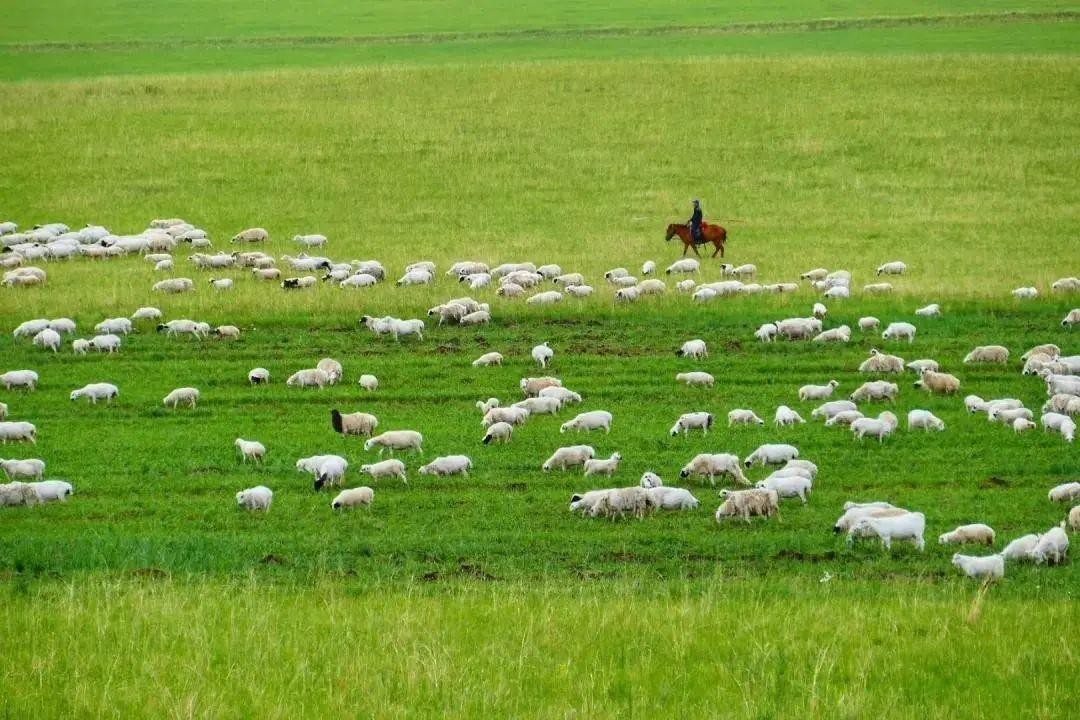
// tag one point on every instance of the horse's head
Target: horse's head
(672, 231)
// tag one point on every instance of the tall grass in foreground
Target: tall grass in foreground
(753, 648)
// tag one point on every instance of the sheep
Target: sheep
(747, 270)
(617, 501)
(327, 469)
(387, 469)
(798, 328)
(648, 267)
(146, 313)
(924, 420)
(1020, 425)
(988, 354)
(878, 288)
(977, 533)
(712, 465)
(174, 286)
(105, 343)
(488, 359)
(693, 349)
(899, 331)
(358, 423)
(818, 392)
(838, 292)
(19, 379)
(513, 415)
(1066, 492)
(1067, 428)
(975, 404)
(588, 421)
(448, 465)
(1064, 384)
(30, 328)
(778, 288)
(692, 421)
(259, 376)
(18, 431)
(892, 268)
(251, 235)
(1041, 361)
(1025, 293)
(484, 406)
(3, 411)
(15, 469)
(448, 311)
(787, 486)
(569, 279)
(595, 466)
(548, 297)
(831, 408)
(869, 323)
(498, 432)
(97, 391)
(579, 291)
(843, 418)
(1068, 284)
(351, 497)
(221, 283)
(177, 327)
(685, 286)
(670, 498)
(684, 266)
(114, 326)
(310, 240)
(48, 339)
(917, 366)
(743, 417)
(1021, 548)
(532, 387)
(1062, 404)
(785, 416)
(1008, 416)
(1074, 519)
(182, 396)
(875, 390)
(227, 331)
(568, 457)
(271, 273)
(18, 493)
(771, 454)
(909, 526)
(853, 512)
(836, 334)
(257, 498)
(311, 377)
(695, 379)
(480, 317)
(767, 332)
(1072, 318)
(80, 346)
(747, 503)
(252, 449)
(332, 368)
(21, 280)
(540, 405)
(1053, 546)
(990, 567)
(396, 440)
(815, 274)
(627, 294)
(931, 310)
(938, 382)
(299, 283)
(52, 490)
(1047, 348)
(542, 354)
(880, 427)
(649, 479)
(704, 294)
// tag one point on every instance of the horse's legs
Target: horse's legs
(719, 249)
(694, 248)
(685, 247)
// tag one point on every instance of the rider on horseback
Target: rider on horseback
(695, 224)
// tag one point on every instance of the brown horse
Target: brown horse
(710, 233)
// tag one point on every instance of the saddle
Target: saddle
(700, 239)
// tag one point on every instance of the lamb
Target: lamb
(52, 490)
(396, 440)
(990, 567)
(899, 331)
(96, 391)
(649, 479)
(988, 354)
(1020, 425)
(692, 421)
(227, 331)
(176, 327)
(511, 290)
(1066, 492)
(747, 503)
(832, 408)
(417, 276)
(18, 493)
(498, 432)
(879, 362)
(488, 359)
(818, 392)
(648, 267)
(595, 466)
(182, 396)
(311, 377)
(695, 379)
(1021, 548)
(771, 454)
(542, 354)
(368, 382)
(1025, 293)
(548, 297)
(485, 406)
(743, 417)
(694, 349)
(767, 332)
(670, 498)
(684, 266)
(785, 416)
(909, 526)
(513, 415)
(386, 468)
(799, 464)
(815, 274)
(976, 533)
(480, 317)
(1053, 546)
(15, 469)
(332, 368)
(712, 465)
(257, 498)
(868, 323)
(786, 486)
(252, 449)
(327, 469)
(569, 279)
(1047, 348)
(48, 339)
(1067, 428)
(19, 379)
(259, 376)
(836, 334)
(798, 328)
(876, 390)
(704, 294)
(938, 382)
(880, 427)
(820, 311)
(931, 310)
(568, 457)
(352, 497)
(18, 431)
(270, 273)
(838, 292)
(892, 268)
(221, 283)
(448, 465)
(563, 395)
(587, 421)
(174, 286)
(924, 420)
(3, 411)
(540, 405)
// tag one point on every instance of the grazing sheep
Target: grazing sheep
(531, 387)
(488, 359)
(1074, 519)
(1066, 492)
(498, 432)
(743, 417)
(785, 416)
(695, 379)
(568, 457)
(938, 382)
(815, 274)
(1025, 293)
(563, 395)
(579, 291)
(299, 283)
(899, 331)
(909, 526)
(990, 567)
(712, 465)
(251, 235)
(176, 327)
(878, 288)
(670, 498)
(15, 469)
(480, 317)
(182, 396)
(917, 366)
(767, 332)
(684, 266)
(352, 497)
(786, 486)
(1008, 416)
(257, 498)
(220, 283)
(1020, 425)
(650, 480)
(52, 490)
(976, 533)
(311, 377)
(270, 273)
(3, 411)
(513, 415)
(18, 431)
(540, 405)
(704, 294)
(48, 339)
(80, 346)
(975, 404)
(1072, 318)
(628, 294)
(892, 268)
(174, 286)
(1053, 546)
(368, 382)
(648, 268)
(19, 379)
(227, 331)
(542, 354)
(694, 349)
(595, 466)
(771, 454)
(1021, 548)
(880, 427)
(30, 328)
(924, 420)
(396, 440)
(838, 292)
(568, 280)
(18, 493)
(843, 418)
(876, 390)
(820, 311)
(619, 501)
(1047, 348)
(1069, 284)
(1066, 427)
(836, 334)
(831, 408)
(818, 392)
(988, 354)
(931, 310)
(448, 465)
(252, 449)
(692, 421)
(747, 503)
(358, 423)
(798, 328)
(587, 421)
(386, 468)
(105, 343)
(485, 406)
(800, 464)
(96, 391)
(869, 323)
(259, 376)
(853, 512)
(548, 297)
(332, 368)
(880, 362)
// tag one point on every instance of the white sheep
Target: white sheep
(741, 416)
(869, 323)
(96, 391)
(931, 310)
(327, 469)
(579, 291)
(396, 440)
(619, 501)
(18, 431)
(515, 415)
(498, 432)
(771, 454)
(488, 359)
(182, 396)
(975, 533)
(227, 331)
(815, 274)
(563, 395)
(588, 421)
(3, 411)
(924, 420)
(695, 379)
(177, 327)
(1021, 425)
(568, 457)
(818, 392)
(531, 387)
(975, 404)
(310, 377)
(18, 493)
(542, 354)
(785, 417)
(670, 498)
(1071, 318)
(836, 334)
(892, 268)
(540, 405)
(259, 497)
(988, 354)
(1021, 548)
(875, 390)
(52, 490)
(19, 379)
(767, 332)
(710, 466)
(608, 467)
(878, 288)
(80, 346)
(917, 366)
(832, 408)
(899, 331)
(694, 349)
(685, 286)
(1074, 519)
(250, 449)
(1066, 492)
(15, 469)
(1025, 293)
(909, 526)
(787, 486)
(105, 343)
(1067, 284)
(684, 266)
(627, 294)
(548, 297)
(332, 368)
(48, 339)
(448, 465)
(649, 479)
(386, 468)
(1007, 417)
(880, 427)
(1053, 546)
(853, 512)
(351, 497)
(368, 382)
(259, 376)
(747, 503)
(485, 406)
(990, 567)
(820, 311)
(692, 421)
(174, 286)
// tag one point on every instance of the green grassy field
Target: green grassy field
(822, 134)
